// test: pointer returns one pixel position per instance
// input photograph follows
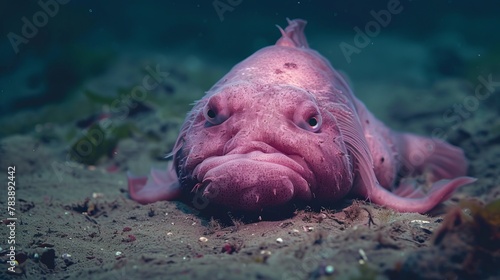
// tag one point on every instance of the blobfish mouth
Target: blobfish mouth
(255, 179)
(294, 162)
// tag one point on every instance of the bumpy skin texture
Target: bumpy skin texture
(283, 125)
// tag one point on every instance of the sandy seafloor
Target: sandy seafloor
(76, 221)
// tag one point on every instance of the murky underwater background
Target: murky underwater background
(48, 51)
(92, 89)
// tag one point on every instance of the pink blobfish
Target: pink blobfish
(284, 125)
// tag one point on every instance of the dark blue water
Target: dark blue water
(49, 48)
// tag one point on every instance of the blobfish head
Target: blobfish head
(250, 146)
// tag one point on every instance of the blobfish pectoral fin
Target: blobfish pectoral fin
(441, 159)
(408, 202)
(162, 185)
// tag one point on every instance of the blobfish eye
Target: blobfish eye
(313, 122)
(308, 117)
(216, 110)
(211, 113)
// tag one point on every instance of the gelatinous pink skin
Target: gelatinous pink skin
(284, 125)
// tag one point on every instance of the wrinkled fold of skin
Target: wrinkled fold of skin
(284, 125)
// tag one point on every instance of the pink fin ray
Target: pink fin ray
(162, 185)
(409, 190)
(442, 160)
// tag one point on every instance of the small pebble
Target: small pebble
(329, 269)
(118, 253)
(97, 195)
(308, 229)
(65, 256)
(265, 252)
(279, 240)
(203, 239)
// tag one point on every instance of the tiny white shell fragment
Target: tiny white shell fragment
(419, 221)
(363, 255)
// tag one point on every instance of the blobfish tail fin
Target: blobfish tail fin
(293, 35)
(420, 154)
(408, 199)
(162, 185)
